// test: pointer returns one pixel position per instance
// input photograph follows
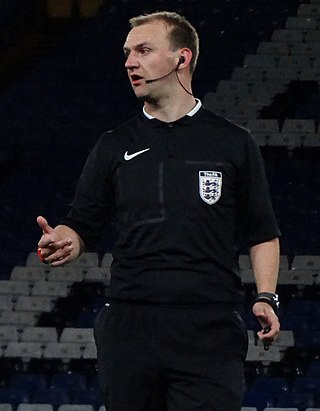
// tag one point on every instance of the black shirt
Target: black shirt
(182, 192)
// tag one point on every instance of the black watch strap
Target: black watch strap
(269, 298)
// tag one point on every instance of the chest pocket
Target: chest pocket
(139, 193)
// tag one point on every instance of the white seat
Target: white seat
(87, 259)
(236, 113)
(18, 318)
(284, 139)
(279, 409)
(39, 334)
(78, 335)
(287, 35)
(78, 407)
(6, 302)
(283, 262)
(309, 48)
(299, 126)
(301, 23)
(263, 126)
(306, 262)
(34, 303)
(309, 10)
(310, 74)
(285, 339)
(8, 333)
(35, 407)
(24, 350)
(67, 274)
(258, 353)
(272, 47)
(244, 261)
(107, 260)
(311, 140)
(247, 276)
(251, 337)
(283, 74)
(296, 277)
(62, 350)
(50, 288)
(102, 408)
(247, 73)
(6, 407)
(249, 409)
(312, 36)
(300, 61)
(29, 273)
(13, 287)
(102, 274)
(260, 60)
(90, 351)
(33, 259)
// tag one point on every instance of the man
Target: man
(184, 183)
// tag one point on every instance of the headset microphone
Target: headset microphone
(168, 74)
(181, 61)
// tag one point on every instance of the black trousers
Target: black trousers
(156, 357)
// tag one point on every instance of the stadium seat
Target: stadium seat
(28, 382)
(32, 273)
(86, 260)
(306, 262)
(78, 335)
(34, 303)
(12, 287)
(53, 396)
(35, 407)
(64, 351)
(313, 369)
(50, 288)
(24, 350)
(68, 381)
(6, 407)
(78, 407)
(18, 318)
(39, 334)
(6, 303)
(13, 396)
(8, 333)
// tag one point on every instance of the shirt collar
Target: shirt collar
(191, 113)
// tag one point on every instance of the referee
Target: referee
(185, 186)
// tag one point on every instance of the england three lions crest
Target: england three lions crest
(210, 185)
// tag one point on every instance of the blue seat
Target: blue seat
(13, 396)
(313, 369)
(29, 382)
(272, 386)
(300, 400)
(68, 381)
(92, 397)
(53, 396)
(259, 400)
(306, 384)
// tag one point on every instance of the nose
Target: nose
(131, 62)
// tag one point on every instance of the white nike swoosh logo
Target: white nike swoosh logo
(128, 157)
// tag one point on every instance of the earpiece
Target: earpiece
(181, 60)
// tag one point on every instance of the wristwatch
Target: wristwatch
(270, 298)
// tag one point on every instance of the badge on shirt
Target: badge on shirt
(210, 184)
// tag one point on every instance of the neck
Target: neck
(170, 110)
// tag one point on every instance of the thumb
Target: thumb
(43, 224)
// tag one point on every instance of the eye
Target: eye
(144, 50)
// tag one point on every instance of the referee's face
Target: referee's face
(149, 57)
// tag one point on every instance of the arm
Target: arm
(59, 245)
(265, 265)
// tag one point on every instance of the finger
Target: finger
(43, 223)
(59, 254)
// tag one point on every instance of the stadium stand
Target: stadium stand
(63, 95)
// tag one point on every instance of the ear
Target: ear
(185, 56)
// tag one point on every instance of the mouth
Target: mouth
(135, 79)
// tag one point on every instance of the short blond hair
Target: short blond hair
(182, 33)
